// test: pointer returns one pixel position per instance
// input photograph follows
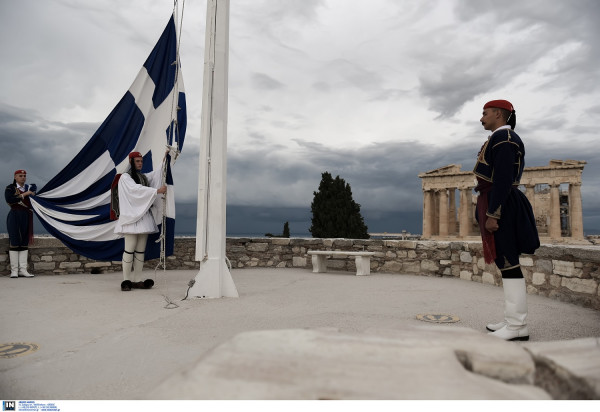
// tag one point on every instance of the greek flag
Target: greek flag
(75, 205)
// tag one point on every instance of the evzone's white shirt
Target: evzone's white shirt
(140, 207)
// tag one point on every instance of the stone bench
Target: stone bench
(362, 259)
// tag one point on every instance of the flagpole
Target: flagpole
(214, 278)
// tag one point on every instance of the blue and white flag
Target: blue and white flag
(75, 205)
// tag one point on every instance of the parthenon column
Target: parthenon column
(575, 211)
(452, 211)
(554, 229)
(443, 212)
(463, 213)
(530, 194)
(435, 213)
(427, 213)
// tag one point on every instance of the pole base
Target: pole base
(213, 281)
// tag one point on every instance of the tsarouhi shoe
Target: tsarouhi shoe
(126, 285)
(147, 284)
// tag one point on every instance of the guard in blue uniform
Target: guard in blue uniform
(19, 223)
(505, 216)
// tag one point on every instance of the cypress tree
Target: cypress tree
(286, 230)
(334, 212)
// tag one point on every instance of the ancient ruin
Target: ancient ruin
(554, 192)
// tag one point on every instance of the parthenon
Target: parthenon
(554, 192)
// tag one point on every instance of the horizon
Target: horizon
(252, 221)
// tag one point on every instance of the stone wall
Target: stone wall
(563, 272)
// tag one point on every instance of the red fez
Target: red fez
(135, 154)
(499, 104)
(20, 172)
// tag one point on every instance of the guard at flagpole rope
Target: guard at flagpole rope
(139, 205)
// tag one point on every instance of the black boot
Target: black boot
(147, 284)
(126, 285)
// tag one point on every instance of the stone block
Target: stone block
(411, 254)
(475, 269)
(588, 286)
(572, 366)
(442, 254)
(298, 261)
(456, 246)
(391, 266)
(488, 278)
(466, 275)
(97, 265)
(555, 280)
(456, 270)
(69, 265)
(407, 244)
(431, 363)
(466, 257)
(538, 278)
(281, 265)
(565, 268)
(44, 266)
(342, 243)
(543, 265)
(257, 247)
(280, 241)
(425, 246)
(429, 266)
(46, 258)
(445, 262)
(328, 243)
(411, 267)
(526, 261)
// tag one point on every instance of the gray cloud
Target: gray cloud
(262, 81)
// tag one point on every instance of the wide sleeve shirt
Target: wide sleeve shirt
(136, 204)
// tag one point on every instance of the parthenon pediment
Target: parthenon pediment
(444, 170)
(568, 162)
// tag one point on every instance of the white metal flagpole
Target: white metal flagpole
(214, 278)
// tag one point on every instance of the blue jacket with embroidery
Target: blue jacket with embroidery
(501, 161)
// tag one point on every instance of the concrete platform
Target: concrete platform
(96, 342)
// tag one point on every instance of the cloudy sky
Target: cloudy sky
(375, 91)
